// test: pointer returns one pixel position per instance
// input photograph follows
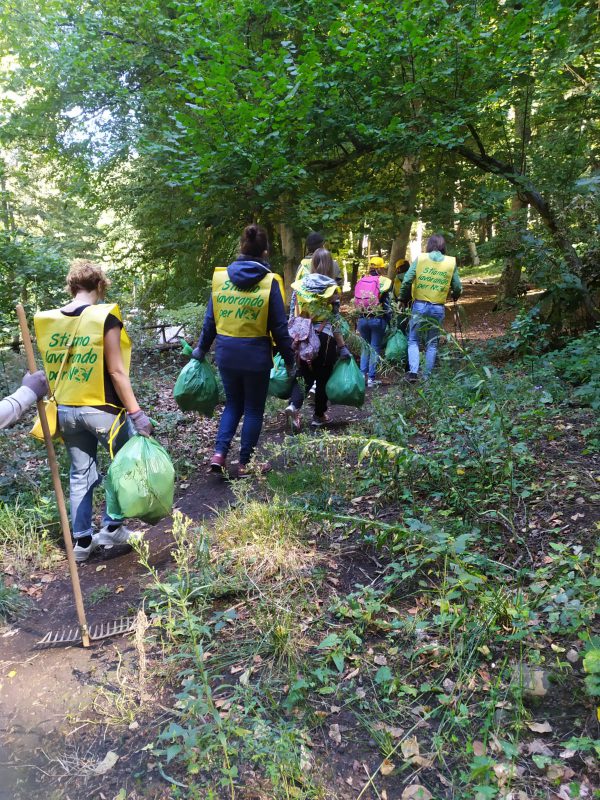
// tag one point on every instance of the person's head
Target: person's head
(401, 265)
(322, 262)
(314, 241)
(376, 264)
(85, 276)
(254, 242)
(436, 242)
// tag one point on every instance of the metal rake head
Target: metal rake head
(99, 630)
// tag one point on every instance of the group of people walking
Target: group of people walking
(86, 352)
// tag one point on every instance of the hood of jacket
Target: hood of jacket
(245, 272)
(316, 283)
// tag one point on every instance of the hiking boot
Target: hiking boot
(83, 553)
(293, 415)
(121, 535)
(411, 377)
(318, 422)
(217, 463)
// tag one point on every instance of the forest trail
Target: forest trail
(47, 692)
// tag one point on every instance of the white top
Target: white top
(13, 407)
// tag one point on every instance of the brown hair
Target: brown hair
(436, 242)
(322, 262)
(86, 275)
(254, 241)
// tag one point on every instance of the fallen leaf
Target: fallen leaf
(12, 673)
(540, 727)
(245, 677)
(567, 753)
(416, 792)
(107, 763)
(381, 661)
(335, 733)
(538, 748)
(119, 589)
(410, 748)
(479, 748)
(387, 767)
(100, 567)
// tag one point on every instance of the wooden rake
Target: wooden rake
(80, 633)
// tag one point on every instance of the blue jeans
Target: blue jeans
(372, 330)
(245, 395)
(427, 318)
(82, 428)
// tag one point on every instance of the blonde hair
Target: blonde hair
(322, 262)
(86, 275)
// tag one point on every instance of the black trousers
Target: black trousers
(318, 372)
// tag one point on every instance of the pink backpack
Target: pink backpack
(366, 293)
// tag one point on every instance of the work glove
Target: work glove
(198, 354)
(37, 382)
(141, 423)
(344, 353)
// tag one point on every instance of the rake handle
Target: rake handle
(58, 491)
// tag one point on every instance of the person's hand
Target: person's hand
(344, 353)
(37, 382)
(141, 423)
(198, 354)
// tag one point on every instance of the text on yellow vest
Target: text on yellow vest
(433, 279)
(242, 312)
(314, 306)
(81, 340)
(303, 269)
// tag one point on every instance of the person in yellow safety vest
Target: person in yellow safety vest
(314, 241)
(245, 313)
(372, 300)
(431, 276)
(401, 267)
(86, 353)
(318, 299)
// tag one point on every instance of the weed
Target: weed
(12, 604)
(98, 594)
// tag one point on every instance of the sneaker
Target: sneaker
(313, 390)
(217, 463)
(121, 535)
(318, 422)
(411, 377)
(83, 553)
(371, 382)
(293, 415)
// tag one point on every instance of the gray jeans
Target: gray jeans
(82, 428)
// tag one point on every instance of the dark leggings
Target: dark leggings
(319, 371)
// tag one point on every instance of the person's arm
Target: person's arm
(277, 324)
(455, 285)
(405, 293)
(116, 369)
(32, 389)
(209, 331)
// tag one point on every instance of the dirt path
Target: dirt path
(44, 692)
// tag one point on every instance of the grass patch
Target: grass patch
(12, 604)
(25, 540)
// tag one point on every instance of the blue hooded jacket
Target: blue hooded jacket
(250, 354)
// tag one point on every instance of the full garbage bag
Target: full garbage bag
(346, 386)
(396, 348)
(280, 384)
(196, 388)
(140, 481)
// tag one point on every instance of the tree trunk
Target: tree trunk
(399, 246)
(358, 254)
(511, 273)
(291, 248)
(464, 232)
(411, 167)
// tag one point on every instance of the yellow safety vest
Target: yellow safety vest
(81, 340)
(433, 279)
(242, 312)
(397, 286)
(315, 306)
(303, 269)
(385, 284)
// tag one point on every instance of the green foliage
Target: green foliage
(579, 364)
(12, 604)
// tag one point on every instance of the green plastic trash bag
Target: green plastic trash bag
(346, 386)
(280, 384)
(140, 481)
(396, 348)
(196, 388)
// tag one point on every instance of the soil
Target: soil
(49, 695)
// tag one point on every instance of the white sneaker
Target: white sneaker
(293, 416)
(122, 535)
(313, 390)
(83, 553)
(373, 382)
